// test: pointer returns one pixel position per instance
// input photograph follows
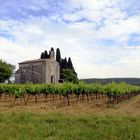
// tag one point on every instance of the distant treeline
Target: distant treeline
(132, 81)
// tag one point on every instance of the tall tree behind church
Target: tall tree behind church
(58, 55)
(70, 65)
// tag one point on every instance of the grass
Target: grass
(60, 126)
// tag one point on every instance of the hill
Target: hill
(132, 81)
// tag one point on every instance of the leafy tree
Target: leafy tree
(70, 76)
(6, 70)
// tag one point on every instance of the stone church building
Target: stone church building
(46, 70)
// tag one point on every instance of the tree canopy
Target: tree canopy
(69, 75)
(6, 70)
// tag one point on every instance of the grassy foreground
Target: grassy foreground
(60, 126)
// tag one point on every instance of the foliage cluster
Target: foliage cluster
(6, 70)
(66, 89)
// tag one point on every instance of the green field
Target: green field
(60, 126)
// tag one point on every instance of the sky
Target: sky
(102, 37)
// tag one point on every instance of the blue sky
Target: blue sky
(101, 36)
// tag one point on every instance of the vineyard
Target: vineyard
(68, 93)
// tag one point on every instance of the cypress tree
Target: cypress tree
(42, 55)
(58, 56)
(70, 65)
(62, 63)
(65, 63)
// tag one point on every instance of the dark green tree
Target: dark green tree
(67, 71)
(46, 54)
(70, 65)
(6, 71)
(42, 56)
(70, 76)
(65, 62)
(62, 63)
(58, 55)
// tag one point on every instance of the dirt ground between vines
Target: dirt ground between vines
(95, 107)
